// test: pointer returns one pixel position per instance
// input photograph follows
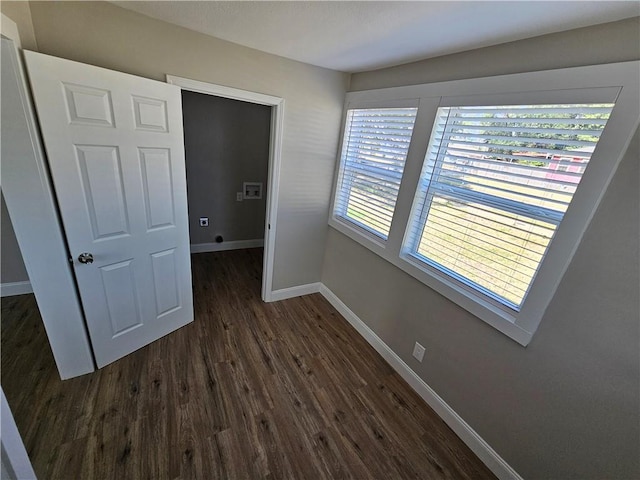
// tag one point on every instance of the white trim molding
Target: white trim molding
(467, 434)
(13, 451)
(232, 245)
(275, 155)
(9, 29)
(10, 289)
(296, 291)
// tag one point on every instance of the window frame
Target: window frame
(569, 85)
(342, 219)
(582, 96)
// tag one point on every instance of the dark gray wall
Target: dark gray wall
(226, 144)
(568, 405)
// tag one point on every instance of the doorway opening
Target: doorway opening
(234, 189)
(226, 145)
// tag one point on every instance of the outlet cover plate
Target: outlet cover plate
(204, 221)
(418, 352)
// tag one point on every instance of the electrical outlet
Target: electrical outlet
(418, 352)
(204, 221)
(239, 196)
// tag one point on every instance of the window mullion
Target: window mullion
(420, 140)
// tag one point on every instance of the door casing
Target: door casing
(275, 154)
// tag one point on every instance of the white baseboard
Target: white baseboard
(15, 288)
(297, 291)
(233, 245)
(469, 436)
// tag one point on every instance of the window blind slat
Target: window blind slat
(387, 136)
(557, 120)
(384, 195)
(490, 141)
(501, 188)
(376, 175)
(458, 128)
(382, 213)
(525, 171)
(354, 159)
(467, 266)
(449, 220)
(541, 112)
(515, 223)
(581, 157)
(373, 147)
(517, 148)
(512, 206)
(476, 244)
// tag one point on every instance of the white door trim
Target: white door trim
(9, 289)
(9, 29)
(275, 154)
(14, 455)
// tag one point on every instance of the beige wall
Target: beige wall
(102, 34)
(567, 405)
(20, 13)
(226, 143)
(605, 43)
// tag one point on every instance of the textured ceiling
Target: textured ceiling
(364, 35)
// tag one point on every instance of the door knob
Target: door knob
(85, 258)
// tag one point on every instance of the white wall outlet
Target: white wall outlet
(204, 221)
(418, 352)
(239, 196)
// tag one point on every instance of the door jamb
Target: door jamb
(275, 154)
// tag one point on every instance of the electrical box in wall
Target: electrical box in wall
(252, 190)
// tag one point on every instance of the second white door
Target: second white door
(115, 148)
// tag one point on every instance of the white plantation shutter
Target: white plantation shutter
(374, 151)
(494, 187)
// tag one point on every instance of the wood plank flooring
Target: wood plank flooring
(286, 390)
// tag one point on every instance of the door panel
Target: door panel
(103, 187)
(120, 292)
(115, 148)
(155, 164)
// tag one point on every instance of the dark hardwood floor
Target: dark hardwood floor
(249, 390)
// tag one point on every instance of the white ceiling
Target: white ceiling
(365, 35)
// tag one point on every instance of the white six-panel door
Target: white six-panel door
(115, 147)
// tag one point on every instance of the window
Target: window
(374, 151)
(494, 187)
(482, 188)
